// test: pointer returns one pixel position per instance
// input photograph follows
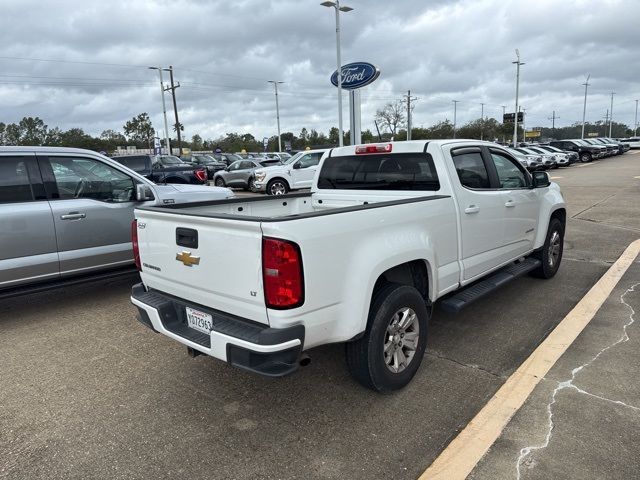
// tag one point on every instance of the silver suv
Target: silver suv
(68, 212)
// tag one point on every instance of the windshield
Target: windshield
(294, 158)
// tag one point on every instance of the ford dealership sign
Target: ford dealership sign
(356, 75)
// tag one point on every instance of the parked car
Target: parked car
(211, 164)
(294, 174)
(67, 212)
(561, 159)
(226, 158)
(282, 156)
(547, 161)
(634, 142)
(611, 148)
(388, 230)
(585, 151)
(164, 168)
(530, 162)
(622, 147)
(573, 156)
(240, 174)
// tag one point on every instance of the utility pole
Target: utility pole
(606, 120)
(164, 110)
(275, 86)
(611, 115)
(455, 111)
(584, 109)
(553, 122)
(635, 124)
(409, 112)
(515, 122)
(482, 121)
(175, 107)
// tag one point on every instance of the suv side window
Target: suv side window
(308, 160)
(509, 174)
(14, 180)
(137, 163)
(235, 166)
(78, 177)
(471, 169)
(246, 165)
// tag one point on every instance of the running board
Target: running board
(468, 295)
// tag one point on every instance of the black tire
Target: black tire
(585, 157)
(277, 185)
(366, 356)
(550, 255)
(251, 185)
(220, 182)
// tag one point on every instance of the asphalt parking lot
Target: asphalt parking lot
(88, 392)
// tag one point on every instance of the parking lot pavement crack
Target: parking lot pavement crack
(527, 451)
(594, 205)
(439, 355)
(591, 220)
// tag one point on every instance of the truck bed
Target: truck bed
(292, 206)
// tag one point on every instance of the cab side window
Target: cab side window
(14, 180)
(310, 160)
(471, 169)
(78, 177)
(509, 174)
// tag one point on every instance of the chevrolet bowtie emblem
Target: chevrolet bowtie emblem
(187, 259)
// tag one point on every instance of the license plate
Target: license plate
(201, 321)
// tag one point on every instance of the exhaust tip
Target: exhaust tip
(305, 360)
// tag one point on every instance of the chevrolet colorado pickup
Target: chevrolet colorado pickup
(386, 231)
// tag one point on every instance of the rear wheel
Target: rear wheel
(389, 354)
(252, 185)
(277, 187)
(220, 182)
(551, 254)
(585, 157)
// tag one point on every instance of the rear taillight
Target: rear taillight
(364, 149)
(282, 274)
(134, 241)
(201, 175)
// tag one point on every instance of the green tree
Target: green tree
(139, 130)
(54, 137)
(196, 143)
(12, 134)
(391, 117)
(33, 131)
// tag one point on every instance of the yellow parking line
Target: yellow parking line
(465, 451)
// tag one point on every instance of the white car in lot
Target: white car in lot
(294, 174)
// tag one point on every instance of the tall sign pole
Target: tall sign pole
(515, 122)
(275, 86)
(175, 107)
(164, 110)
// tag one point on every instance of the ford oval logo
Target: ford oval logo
(356, 75)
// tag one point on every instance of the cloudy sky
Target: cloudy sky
(84, 63)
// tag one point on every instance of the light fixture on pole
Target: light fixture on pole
(515, 120)
(584, 108)
(275, 86)
(336, 5)
(611, 116)
(164, 110)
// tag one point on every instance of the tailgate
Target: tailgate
(228, 275)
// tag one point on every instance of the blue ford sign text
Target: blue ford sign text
(356, 75)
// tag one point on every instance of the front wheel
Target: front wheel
(551, 254)
(585, 157)
(277, 187)
(219, 182)
(251, 186)
(389, 354)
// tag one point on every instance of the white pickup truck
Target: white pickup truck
(386, 230)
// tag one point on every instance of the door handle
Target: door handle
(73, 216)
(472, 209)
(510, 204)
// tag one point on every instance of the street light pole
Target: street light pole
(515, 122)
(275, 86)
(455, 113)
(611, 115)
(336, 5)
(164, 111)
(482, 121)
(584, 109)
(635, 124)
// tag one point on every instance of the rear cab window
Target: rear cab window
(470, 168)
(392, 171)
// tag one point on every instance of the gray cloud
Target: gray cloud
(223, 53)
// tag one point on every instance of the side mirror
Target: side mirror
(143, 193)
(297, 165)
(541, 180)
